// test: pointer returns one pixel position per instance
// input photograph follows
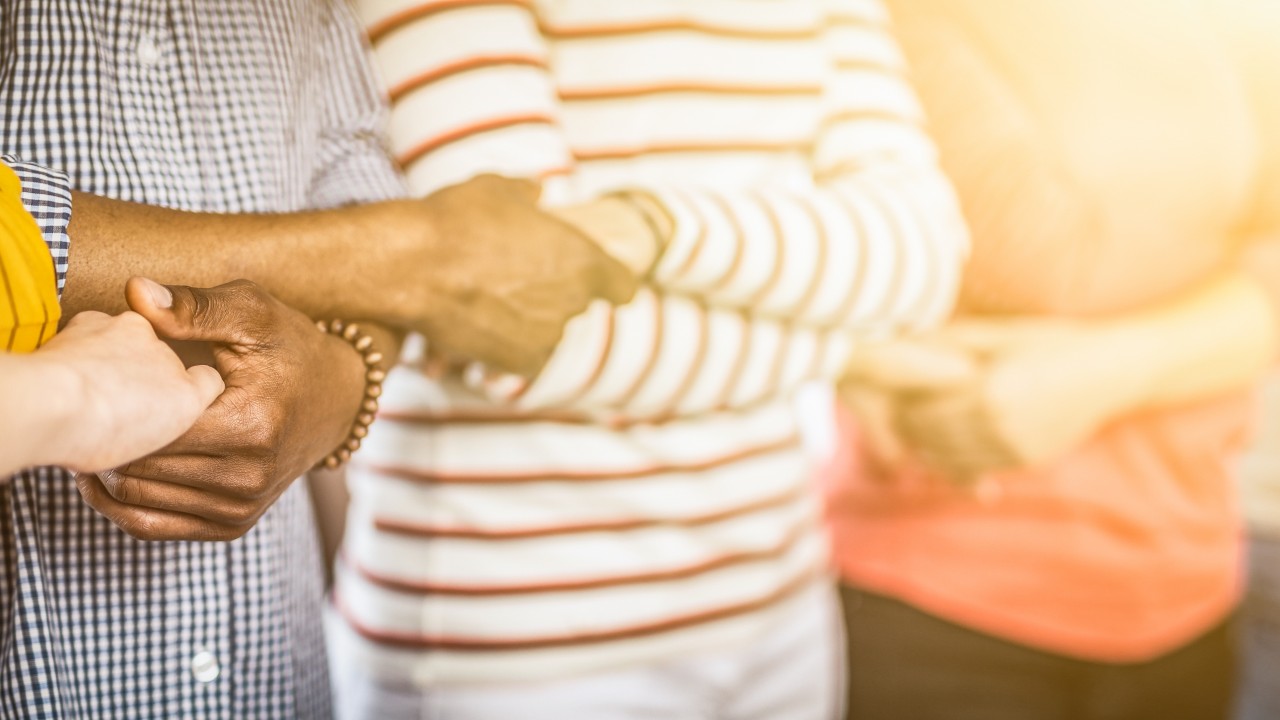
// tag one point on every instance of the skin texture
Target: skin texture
(291, 394)
(103, 391)
(478, 268)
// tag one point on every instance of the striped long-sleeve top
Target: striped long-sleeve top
(646, 494)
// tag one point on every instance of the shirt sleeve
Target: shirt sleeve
(876, 244)
(757, 291)
(352, 163)
(46, 194)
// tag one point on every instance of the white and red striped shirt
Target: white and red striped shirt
(646, 494)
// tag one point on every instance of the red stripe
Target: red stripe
(612, 422)
(691, 260)
(820, 266)
(401, 527)
(476, 63)
(394, 22)
(601, 361)
(739, 246)
(844, 310)
(695, 366)
(659, 320)
(583, 475)
(555, 172)
(855, 116)
(588, 155)
(482, 417)
(676, 25)
(734, 377)
(774, 379)
(475, 129)
(608, 93)
(446, 642)
(781, 548)
(780, 251)
(896, 242)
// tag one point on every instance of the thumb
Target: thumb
(208, 384)
(615, 282)
(223, 314)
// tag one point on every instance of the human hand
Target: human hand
(621, 229)
(291, 395)
(506, 280)
(1035, 396)
(125, 393)
(881, 377)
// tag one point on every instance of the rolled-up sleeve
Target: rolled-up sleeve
(353, 165)
(46, 194)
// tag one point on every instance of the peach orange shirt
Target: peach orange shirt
(1090, 188)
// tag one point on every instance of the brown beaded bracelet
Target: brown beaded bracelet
(373, 377)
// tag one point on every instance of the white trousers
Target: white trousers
(793, 672)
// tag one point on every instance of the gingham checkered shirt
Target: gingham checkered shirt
(226, 106)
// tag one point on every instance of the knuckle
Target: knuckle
(124, 489)
(140, 526)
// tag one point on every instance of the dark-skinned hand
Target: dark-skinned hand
(291, 395)
(503, 277)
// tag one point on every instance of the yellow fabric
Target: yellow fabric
(29, 310)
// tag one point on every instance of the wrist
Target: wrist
(412, 266)
(1116, 357)
(46, 398)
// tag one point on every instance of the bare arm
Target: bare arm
(1038, 388)
(103, 392)
(477, 267)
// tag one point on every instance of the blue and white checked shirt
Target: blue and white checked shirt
(210, 105)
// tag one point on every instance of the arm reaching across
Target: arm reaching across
(102, 392)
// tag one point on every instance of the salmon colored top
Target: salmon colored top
(1091, 189)
(1122, 552)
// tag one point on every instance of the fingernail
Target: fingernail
(160, 294)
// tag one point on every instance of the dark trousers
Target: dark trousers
(905, 664)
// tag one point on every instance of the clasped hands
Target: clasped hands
(479, 268)
(979, 396)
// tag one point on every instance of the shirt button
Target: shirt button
(204, 667)
(148, 51)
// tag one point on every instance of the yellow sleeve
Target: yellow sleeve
(29, 310)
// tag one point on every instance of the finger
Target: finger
(952, 434)
(233, 313)
(981, 337)
(159, 495)
(874, 412)
(149, 523)
(910, 366)
(208, 384)
(230, 477)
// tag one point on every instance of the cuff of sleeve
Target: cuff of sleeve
(46, 194)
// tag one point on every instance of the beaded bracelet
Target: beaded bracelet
(373, 378)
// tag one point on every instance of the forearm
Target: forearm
(38, 402)
(325, 263)
(1219, 338)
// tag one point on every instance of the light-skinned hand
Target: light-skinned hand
(119, 390)
(291, 395)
